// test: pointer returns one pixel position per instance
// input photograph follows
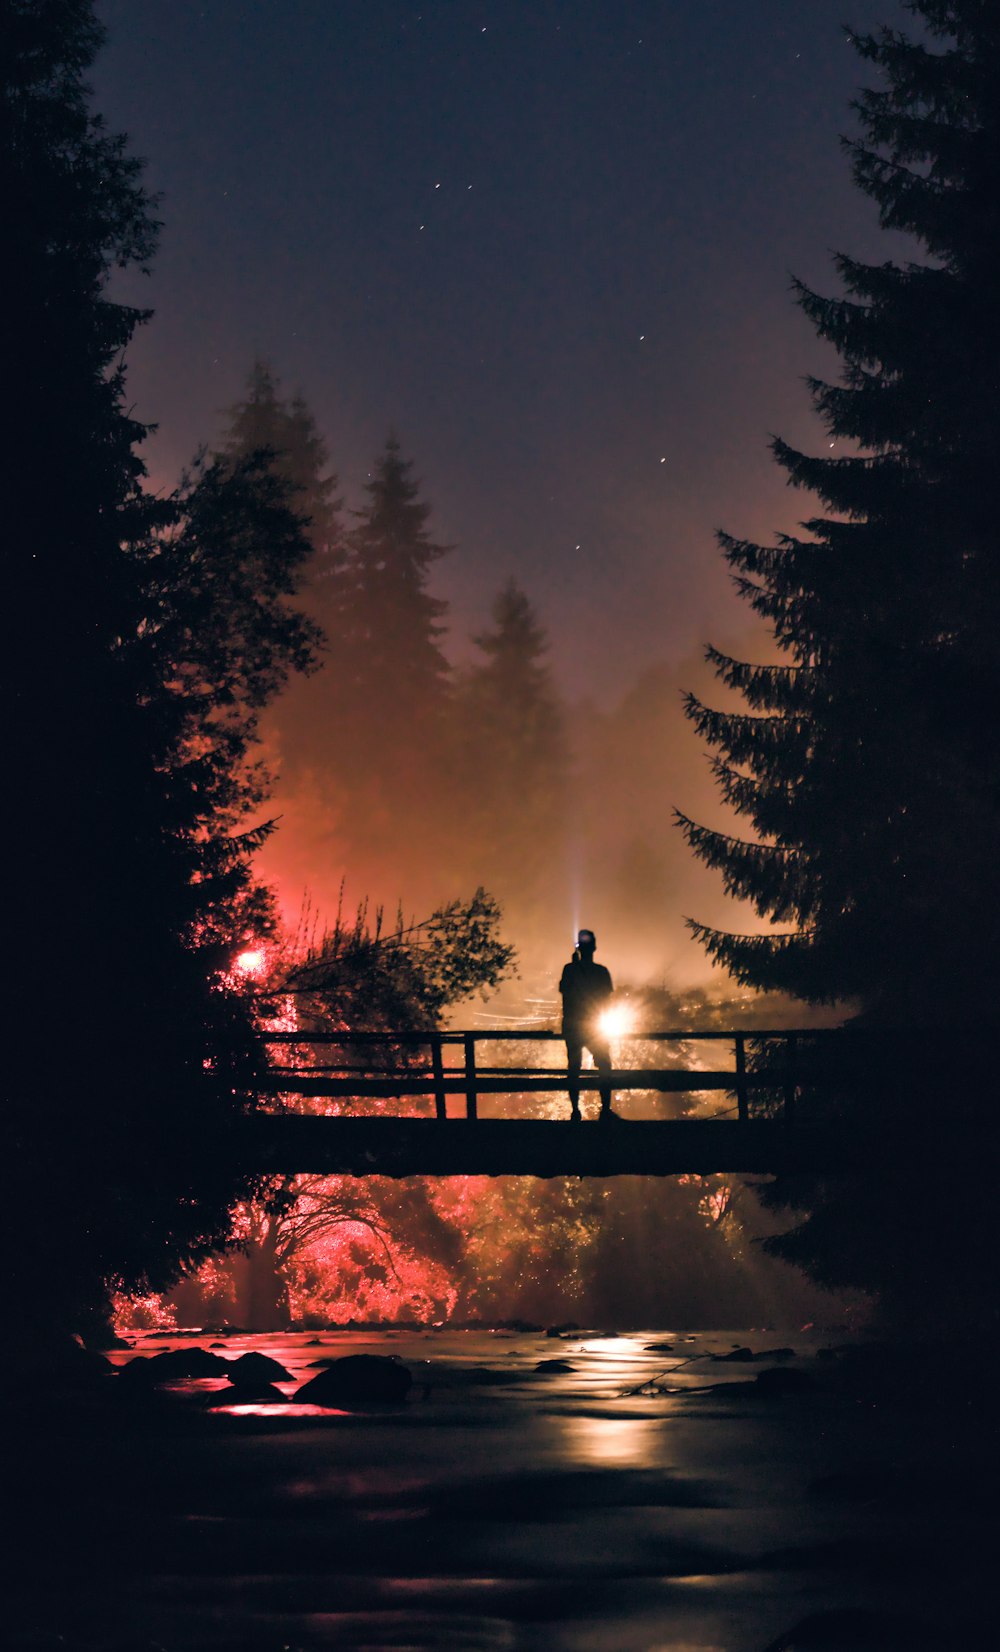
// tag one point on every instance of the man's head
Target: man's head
(586, 942)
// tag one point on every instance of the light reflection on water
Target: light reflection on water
(613, 1442)
(256, 1408)
(568, 1505)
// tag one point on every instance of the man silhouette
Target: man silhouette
(586, 990)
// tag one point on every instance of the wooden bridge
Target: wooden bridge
(770, 1109)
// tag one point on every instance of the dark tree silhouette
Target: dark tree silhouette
(397, 666)
(265, 421)
(514, 764)
(386, 690)
(357, 975)
(217, 641)
(867, 765)
(364, 974)
(142, 637)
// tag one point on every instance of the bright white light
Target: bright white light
(251, 963)
(615, 1020)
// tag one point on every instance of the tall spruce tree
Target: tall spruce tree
(389, 699)
(868, 762)
(282, 430)
(79, 829)
(265, 421)
(134, 630)
(397, 662)
(514, 762)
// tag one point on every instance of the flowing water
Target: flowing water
(504, 1507)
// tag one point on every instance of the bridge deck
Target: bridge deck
(762, 1129)
(537, 1147)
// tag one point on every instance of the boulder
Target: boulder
(134, 1370)
(357, 1379)
(554, 1365)
(173, 1366)
(658, 1347)
(254, 1391)
(65, 1361)
(739, 1356)
(258, 1367)
(562, 1330)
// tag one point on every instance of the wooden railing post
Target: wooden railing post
(440, 1105)
(742, 1099)
(791, 1048)
(471, 1105)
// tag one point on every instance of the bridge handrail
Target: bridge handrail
(454, 1035)
(785, 1069)
(444, 1080)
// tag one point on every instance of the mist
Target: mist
(567, 826)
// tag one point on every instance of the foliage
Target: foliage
(217, 640)
(360, 975)
(513, 763)
(387, 707)
(396, 623)
(865, 764)
(357, 1245)
(145, 636)
(264, 422)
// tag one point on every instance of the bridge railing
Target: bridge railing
(772, 1066)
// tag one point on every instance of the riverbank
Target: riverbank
(661, 1489)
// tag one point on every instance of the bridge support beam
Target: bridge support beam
(301, 1143)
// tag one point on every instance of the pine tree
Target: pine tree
(388, 700)
(265, 421)
(397, 624)
(136, 653)
(868, 760)
(515, 761)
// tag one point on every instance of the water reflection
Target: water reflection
(614, 1442)
(260, 1408)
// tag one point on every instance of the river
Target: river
(505, 1508)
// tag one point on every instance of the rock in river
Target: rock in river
(256, 1367)
(357, 1379)
(171, 1366)
(253, 1391)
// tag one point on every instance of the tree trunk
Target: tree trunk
(261, 1292)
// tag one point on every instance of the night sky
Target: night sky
(549, 244)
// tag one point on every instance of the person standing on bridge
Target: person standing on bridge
(586, 990)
